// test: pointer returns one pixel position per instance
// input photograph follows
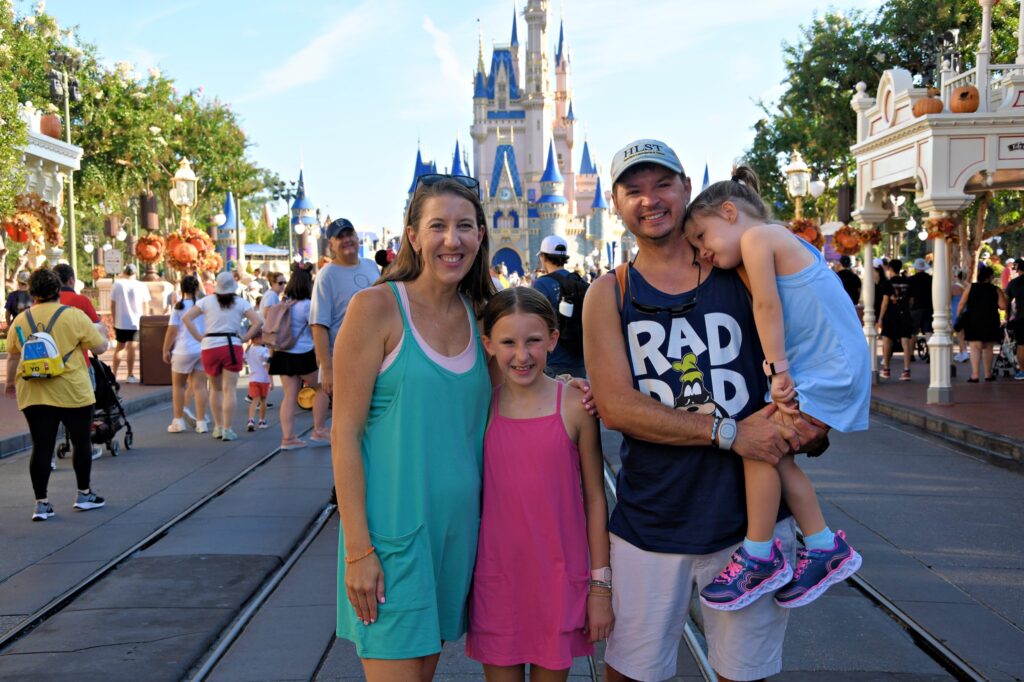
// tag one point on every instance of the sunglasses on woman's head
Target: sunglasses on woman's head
(675, 310)
(433, 178)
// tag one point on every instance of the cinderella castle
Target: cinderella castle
(524, 133)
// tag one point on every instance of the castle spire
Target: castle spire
(515, 33)
(551, 172)
(599, 200)
(480, 50)
(457, 168)
(561, 43)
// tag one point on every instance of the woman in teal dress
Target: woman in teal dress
(408, 427)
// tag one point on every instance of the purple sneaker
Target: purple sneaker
(817, 570)
(745, 579)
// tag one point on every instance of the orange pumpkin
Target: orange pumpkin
(49, 125)
(18, 232)
(173, 240)
(185, 253)
(964, 100)
(149, 249)
(927, 105)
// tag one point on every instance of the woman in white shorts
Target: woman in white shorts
(185, 361)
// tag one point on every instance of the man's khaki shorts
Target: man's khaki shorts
(651, 599)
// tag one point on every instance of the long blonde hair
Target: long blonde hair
(408, 264)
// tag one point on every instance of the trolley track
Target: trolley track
(58, 603)
(934, 648)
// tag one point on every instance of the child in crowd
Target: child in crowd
(542, 586)
(818, 364)
(257, 357)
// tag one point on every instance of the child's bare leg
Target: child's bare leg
(263, 409)
(800, 496)
(764, 492)
(504, 673)
(252, 409)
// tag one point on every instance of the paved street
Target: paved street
(941, 532)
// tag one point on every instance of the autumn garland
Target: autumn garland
(808, 230)
(36, 221)
(941, 228)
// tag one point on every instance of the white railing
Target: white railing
(958, 81)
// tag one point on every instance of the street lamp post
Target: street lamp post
(798, 180)
(286, 192)
(183, 191)
(64, 88)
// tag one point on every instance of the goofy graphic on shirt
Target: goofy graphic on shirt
(693, 395)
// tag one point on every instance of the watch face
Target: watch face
(727, 430)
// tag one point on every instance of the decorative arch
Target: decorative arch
(510, 258)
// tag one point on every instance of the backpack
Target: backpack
(572, 289)
(40, 357)
(277, 326)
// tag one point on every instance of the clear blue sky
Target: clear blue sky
(347, 88)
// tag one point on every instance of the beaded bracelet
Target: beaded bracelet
(361, 556)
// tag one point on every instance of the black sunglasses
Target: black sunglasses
(433, 178)
(675, 310)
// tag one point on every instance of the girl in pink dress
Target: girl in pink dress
(542, 586)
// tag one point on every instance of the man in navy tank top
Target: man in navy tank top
(675, 363)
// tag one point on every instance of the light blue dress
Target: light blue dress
(828, 356)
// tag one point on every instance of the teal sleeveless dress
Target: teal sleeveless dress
(423, 459)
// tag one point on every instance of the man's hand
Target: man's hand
(10, 390)
(812, 434)
(761, 437)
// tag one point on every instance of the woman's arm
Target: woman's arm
(169, 338)
(1003, 305)
(963, 300)
(10, 383)
(358, 353)
(599, 606)
(881, 313)
(255, 324)
(188, 320)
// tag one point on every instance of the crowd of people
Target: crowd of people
(465, 445)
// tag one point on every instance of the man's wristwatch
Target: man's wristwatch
(726, 434)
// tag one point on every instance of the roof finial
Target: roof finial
(515, 32)
(480, 52)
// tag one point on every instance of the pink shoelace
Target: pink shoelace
(731, 572)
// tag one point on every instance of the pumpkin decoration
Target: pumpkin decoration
(872, 236)
(964, 100)
(35, 221)
(808, 230)
(847, 241)
(49, 125)
(941, 228)
(927, 105)
(150, 249)
(186, 253)
(98, 272)
(213, 263)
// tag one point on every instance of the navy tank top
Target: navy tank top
(688, 500)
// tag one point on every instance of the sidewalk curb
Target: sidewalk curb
(12, 445)
(993, 446)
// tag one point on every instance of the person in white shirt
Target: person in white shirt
(272, 296)
(222, 347)
(298, 364)
(183, 353)
(128, 300)
(257, 357)
(335, 285)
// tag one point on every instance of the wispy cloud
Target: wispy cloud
(315, 61)
(441, 87)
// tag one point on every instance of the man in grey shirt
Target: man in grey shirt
(335, 285)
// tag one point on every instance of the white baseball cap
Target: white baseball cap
(553, 245)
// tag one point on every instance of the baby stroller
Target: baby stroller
(108, 414)
(1005, 360)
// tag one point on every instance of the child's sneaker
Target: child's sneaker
(44, 510)
(177, 426)
(251, 426)
(262, 424)
(89, 500)
(745, 579)
(817, 570)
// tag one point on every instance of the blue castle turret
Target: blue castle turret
(227, 239)
(552, 206)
